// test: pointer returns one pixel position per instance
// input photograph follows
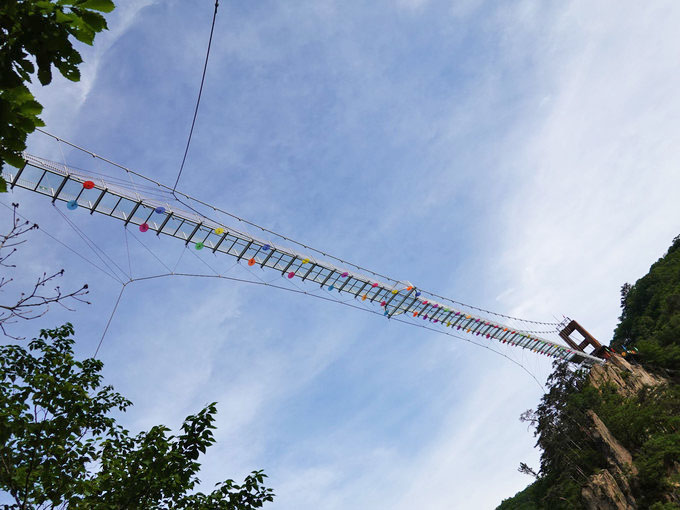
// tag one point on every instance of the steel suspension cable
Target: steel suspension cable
(198, 100)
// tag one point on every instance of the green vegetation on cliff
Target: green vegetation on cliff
(645, 422)
(650, 317)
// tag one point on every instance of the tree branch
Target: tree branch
(37, 302)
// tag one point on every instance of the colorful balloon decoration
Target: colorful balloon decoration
(291, 274)
(159, 210)
(72, 205)
(88, 185)
(219, 231)
(143, 227)
(265, 247)
(198, 245)
(251, 262)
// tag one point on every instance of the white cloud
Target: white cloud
(62, 99)
(590, 208)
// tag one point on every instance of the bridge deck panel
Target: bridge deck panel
(63, 184)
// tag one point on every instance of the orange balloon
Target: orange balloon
(251, 262)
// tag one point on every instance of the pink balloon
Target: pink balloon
(143, 227)
(291, 274)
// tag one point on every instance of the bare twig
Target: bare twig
(36, 303)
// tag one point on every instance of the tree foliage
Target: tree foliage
(650, 316)
(60, 446)
(36, 35)
(568, 452)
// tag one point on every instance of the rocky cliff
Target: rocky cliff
(612, 488)
(610, 441)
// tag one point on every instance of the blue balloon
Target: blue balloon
(72, 205)
(330, 287)
(265, 247)
(417, 293)
(159, 210)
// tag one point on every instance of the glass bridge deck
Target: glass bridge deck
(144, 207)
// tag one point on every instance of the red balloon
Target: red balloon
(88, 185)
(143, 227)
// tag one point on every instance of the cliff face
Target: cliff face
(612, 442)
(613, 488)
(628, 379)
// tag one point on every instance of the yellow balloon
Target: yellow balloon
(219, 231)
(395, 291)
(363, 298)
(304, 261)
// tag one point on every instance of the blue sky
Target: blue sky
(520, 157)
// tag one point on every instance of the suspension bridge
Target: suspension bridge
(158, 209)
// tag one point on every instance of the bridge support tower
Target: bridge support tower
(588, 340)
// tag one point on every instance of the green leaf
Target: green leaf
(43, 5)
(98, 5)
(65, 18)
(14, 160)
(44, 74)
(31, 108)
(83, 33)
(68, 71)
(93, 20)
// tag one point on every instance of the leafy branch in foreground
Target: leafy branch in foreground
(38, 33)
(36, 302)
(61, 448)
